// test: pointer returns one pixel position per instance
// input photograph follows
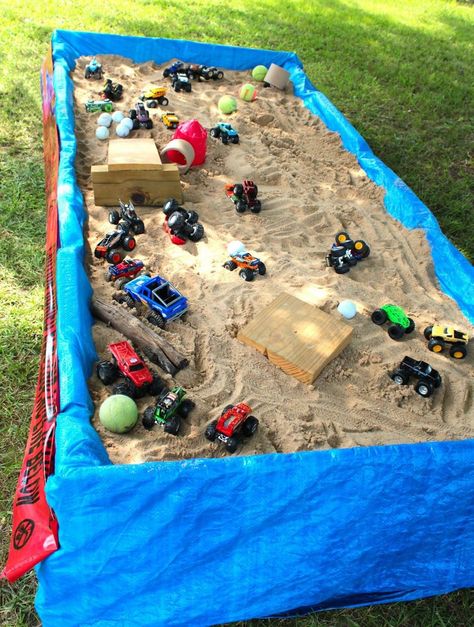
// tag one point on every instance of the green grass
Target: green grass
(400, 70)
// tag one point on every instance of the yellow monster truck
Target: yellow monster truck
(155, 96)
(438, 337)
(170, 120)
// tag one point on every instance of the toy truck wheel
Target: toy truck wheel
(378, 316)
(437, 381)
(148, 420)
(197, 233)
(107, 372)
(114, 217)
(157, 319)
(119, 283)
(241, 206)
(186, 407)
(257, 207)
(351, 261)
(211, 432)
(166, 73)
(435, 345)
(458, 351)
(177, 88)
(250, 426)
(114, 256)
(337, 251)
(170, 206)
(238, 190)
(87, 73)
(225, 139)
(246, 274)
(424, 388)
(193, 217)
(361, 248)
(108, 107)
(108, 276)
(219, 76)
(156, 386)
(235, 139)
(133, 114)
(230, 265)
(232, 444)
(148, 124)
(129, 242)
(411, 326)
(151, 104)
(136, 124)
(173, 425)
(400, 377)
(127, 388)
(343, 269)
(214, 132)
(427, 332)
(139, 227)
(261, 268)
(164, 102)
(396, 331)
(188, 87)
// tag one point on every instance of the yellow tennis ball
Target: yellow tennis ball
(118, 413)
(259, 72)
(248, 92)
(227, 104)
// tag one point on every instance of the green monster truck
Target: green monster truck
(168, 411)
(401, 323)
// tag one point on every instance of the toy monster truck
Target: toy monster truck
(162, 299)
(239, 258)
(235, 421)
(225, 132)
(139, 380)
(181, 224)
(428, 378)
(124, 272)
(92, 106)
(140, 116)
(154, 97)
(438, 337)
(111, 91)
(109, 247)
(127, 218)
(204, 72)
(170, 120)
(181, 82)
(244, 196)
(170, 408)
(346, 252)
(93, 69)
(401, 323)
(173, 68)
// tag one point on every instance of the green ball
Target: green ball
(118, 413)
(248, 92)
(259, 72)
(227, 104)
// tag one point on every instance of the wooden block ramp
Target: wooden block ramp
(134, 171)
(297, 337)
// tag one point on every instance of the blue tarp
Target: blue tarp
(207, 541)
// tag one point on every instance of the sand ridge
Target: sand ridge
(310, 188)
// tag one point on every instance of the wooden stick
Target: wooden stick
(157, 349)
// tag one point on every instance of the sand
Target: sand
(310, 188)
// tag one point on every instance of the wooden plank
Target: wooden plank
(297, 337)
(133, 153)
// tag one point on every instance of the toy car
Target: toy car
(346, 252)
(154, 97)
(112, 91)
(428, 378)
(244, 196)
(204, 72)
(139, 380)
(181, 82)
(239, 258)
(93, 69)
(124, 272)
(164, 301)
(401, 323)
(99, 105)
(181, 224)
(168, 411)
(170, 120)
(140, 116)
(225, 132)
(438, 337)
(108, 247)
(173, 68)
(127, 218)
(234, 422)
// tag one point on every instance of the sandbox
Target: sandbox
(201, 541)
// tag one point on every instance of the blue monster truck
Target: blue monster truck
(226, 132)
(163, 301)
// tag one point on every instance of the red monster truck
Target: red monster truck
(244, 196)
(235, 421)
(108, 247)
(138, 378)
